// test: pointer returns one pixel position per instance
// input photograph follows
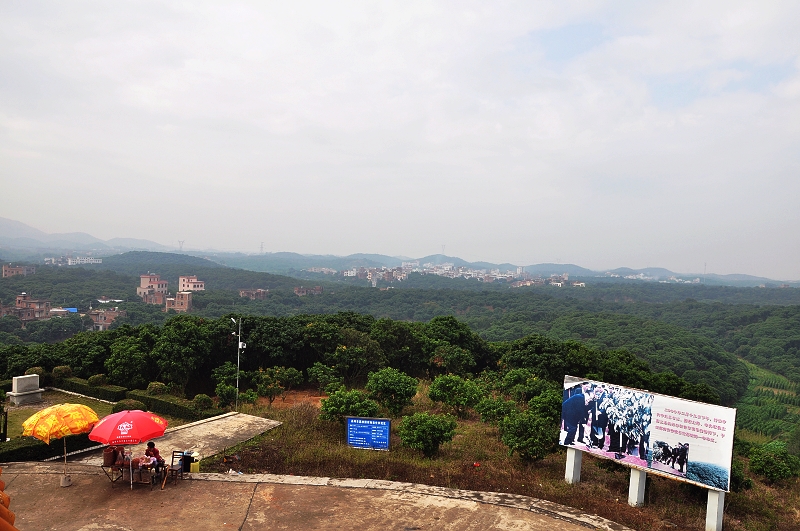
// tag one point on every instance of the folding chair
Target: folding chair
(175, 468)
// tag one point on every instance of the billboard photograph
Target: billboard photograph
(682, 439)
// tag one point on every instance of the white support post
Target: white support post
(714, 510)
(636, 487)
(573, 472)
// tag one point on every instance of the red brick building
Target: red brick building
(10, 270)
(254, 294)
(102, 318)
(181, 302)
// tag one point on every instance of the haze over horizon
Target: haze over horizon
(603, 134)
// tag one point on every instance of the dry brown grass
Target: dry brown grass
(305, 445)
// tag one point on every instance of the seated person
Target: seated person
(153, 452)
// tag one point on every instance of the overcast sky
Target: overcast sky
(604, 134)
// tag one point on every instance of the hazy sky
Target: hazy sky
(604, 134)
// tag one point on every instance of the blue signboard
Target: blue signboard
(363, 432)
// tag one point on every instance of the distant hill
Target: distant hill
(17, 235)
(559, 269)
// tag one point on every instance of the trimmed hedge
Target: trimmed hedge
(30, 449)
(112, 393)
(172, 405)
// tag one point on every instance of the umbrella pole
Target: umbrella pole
(65, 455)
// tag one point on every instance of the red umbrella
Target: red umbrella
(128, 427)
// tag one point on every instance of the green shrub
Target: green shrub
(456, 392)
(128, 404)
(774, 462)
(529, 435)
(248, 397)
(426, 432)
(392, 389)
(345, 403)
(30, 449)
(202, 402)
(2, 396)
(157, 388)
(492, 410)
(226, 394)
(325, 376)
(97, 380)
(172, 406)
(7, 385)
(112, 393)
(61, 372)
(35, 370)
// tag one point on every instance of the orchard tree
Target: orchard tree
(456, 392)
(427, 432)
(344, 403)
(392, 389)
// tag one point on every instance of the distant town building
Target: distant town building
(190, 283)
(302, 292)
(11, 271)
(152, 289)
(181, 302)
(81, 260)
(102, 318)
(254, 294)
(27, 309)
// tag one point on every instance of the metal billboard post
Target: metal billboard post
(636, 487)
(573, 472)
(714, 510)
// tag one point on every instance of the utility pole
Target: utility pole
(239, 348)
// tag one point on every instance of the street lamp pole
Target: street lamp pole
(239, 348)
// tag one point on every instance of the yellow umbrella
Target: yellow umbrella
(58, 421)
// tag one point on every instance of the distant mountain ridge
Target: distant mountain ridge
(25, 240)
(15, 234)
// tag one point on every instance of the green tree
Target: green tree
(392, 389)
(456, 392)
(181, 348)
(268, 384)
(345, 403)
(325, 376)
(426, 432)
(452, 360)
(493, 409)
(529, 435)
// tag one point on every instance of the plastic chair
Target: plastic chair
(175, 468)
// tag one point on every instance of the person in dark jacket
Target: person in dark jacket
(598, 418)
(574, 412)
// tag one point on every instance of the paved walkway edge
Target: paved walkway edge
(515, 501)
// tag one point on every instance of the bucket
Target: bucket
(194, 467)
(109, 456)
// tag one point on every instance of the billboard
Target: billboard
(681, 439)
(369, 433)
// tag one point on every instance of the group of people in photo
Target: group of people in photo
(607, 418)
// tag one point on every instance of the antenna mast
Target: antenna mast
(180, 245)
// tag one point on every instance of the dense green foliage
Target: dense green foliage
(774, 462)
(392, 389)
(427, 432)
(344, 403)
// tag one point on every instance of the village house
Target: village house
(27, 309)
(102, 318)
(254, 294)
(190, 283)
(302, 292)
(152, 289)
(10, 270)
(181, 302)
